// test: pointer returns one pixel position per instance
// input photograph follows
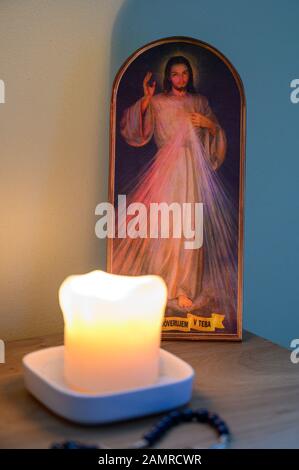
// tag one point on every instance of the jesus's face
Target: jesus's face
(179, 77)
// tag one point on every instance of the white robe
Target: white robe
(183, 170)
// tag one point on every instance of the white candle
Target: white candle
(112, 330)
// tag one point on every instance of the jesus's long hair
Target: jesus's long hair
(177, 60)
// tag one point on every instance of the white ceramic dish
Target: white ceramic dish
(43, 371)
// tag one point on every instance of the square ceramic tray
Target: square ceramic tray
(43, 371)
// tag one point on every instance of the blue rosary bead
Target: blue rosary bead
(188, 415)
(150, 438)
(167, 422)
(176, 416)
(212, 417)
(217, 421)
(72, 445)
(161, 427)
(223, 429)
(202, 415)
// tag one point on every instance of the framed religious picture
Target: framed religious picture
(177, 183)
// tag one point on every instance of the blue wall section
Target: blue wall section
(261, 39)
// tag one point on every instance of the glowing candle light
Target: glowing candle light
(112, 330)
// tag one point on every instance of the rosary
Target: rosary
(164, 425)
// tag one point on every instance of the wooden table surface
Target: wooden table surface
(253, 386)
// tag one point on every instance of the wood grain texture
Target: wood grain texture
(253, 385)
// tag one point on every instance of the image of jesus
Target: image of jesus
(191, 147)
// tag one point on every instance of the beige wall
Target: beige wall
(54, 60)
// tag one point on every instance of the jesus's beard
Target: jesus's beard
(180, 89)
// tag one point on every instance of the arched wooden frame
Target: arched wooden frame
(186, 40)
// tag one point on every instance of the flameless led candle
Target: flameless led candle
(112, 330)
